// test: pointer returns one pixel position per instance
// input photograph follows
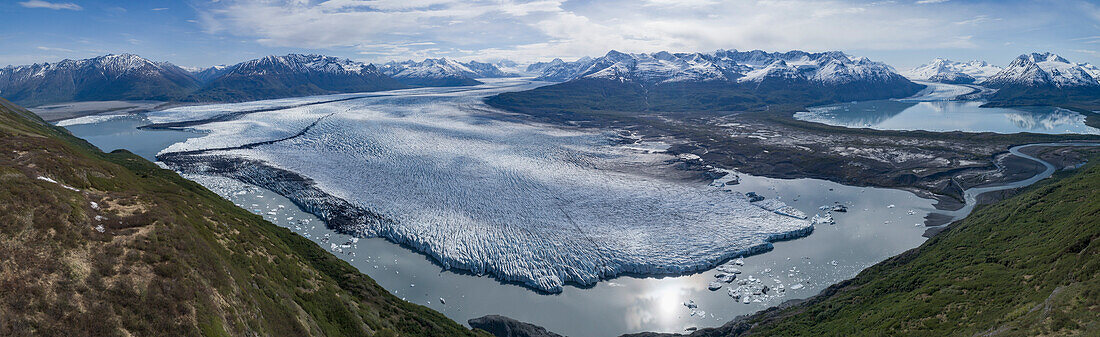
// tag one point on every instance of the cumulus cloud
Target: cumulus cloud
(51, 5)
(540, 29)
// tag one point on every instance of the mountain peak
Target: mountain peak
(1043, 70)
(947, 71)
(1044, 57)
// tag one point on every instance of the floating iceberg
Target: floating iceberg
(779, 207)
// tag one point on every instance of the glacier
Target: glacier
(480, 190)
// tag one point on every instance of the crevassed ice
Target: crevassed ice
(523, 202)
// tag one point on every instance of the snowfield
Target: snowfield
(477, 191)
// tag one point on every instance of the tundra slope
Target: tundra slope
(523, 202)
(102, 244)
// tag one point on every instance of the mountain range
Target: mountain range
(109, 77)
(1037, 78)
(1045, 79)
(131, 77)
(952, 72)
(291, 75)
(721, 66)
(725, 80)
(1043, 70)
(441, 72)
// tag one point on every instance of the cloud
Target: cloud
(977, 20)
(54, 49)
(160, 9)
(543, 29)
(51, 5)
(927, 2)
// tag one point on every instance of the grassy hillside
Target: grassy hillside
(1026, 266)
(112, 245)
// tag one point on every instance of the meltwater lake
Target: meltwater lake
(878, 223)
(942, 116)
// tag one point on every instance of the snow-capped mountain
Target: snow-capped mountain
(756, 66)
(559, 70)
(1043, 70)
(725, 80)
(293, 75)
(108, 77)
(1091, 69)
(441, 72)
(948, 71)
(489, 70)
(209, 73)
(509, 67)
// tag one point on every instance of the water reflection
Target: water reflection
(948, 116)
(660, 305)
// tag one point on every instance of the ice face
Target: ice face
(523, 202)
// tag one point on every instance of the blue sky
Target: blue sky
(903, 33)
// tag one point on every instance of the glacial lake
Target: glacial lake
(113, 132)
(880, 223)
(948, 115)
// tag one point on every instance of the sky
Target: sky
(196, 33)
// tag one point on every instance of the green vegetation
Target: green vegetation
(118, 247)
(1026, 266)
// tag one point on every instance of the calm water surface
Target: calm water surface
(948, 116)
(122, 133)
